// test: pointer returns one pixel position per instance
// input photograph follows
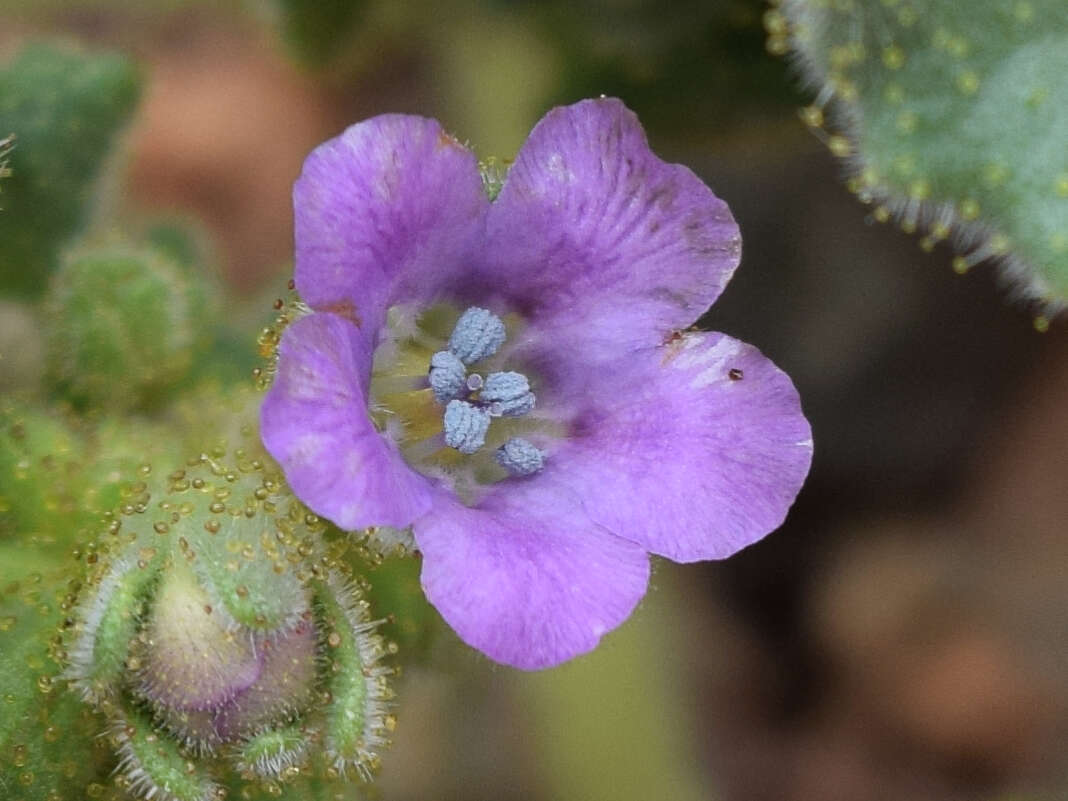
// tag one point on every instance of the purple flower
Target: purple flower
(608, 431)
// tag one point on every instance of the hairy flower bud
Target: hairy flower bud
(124, 325)
(226, 642)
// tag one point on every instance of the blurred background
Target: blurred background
(903, 636)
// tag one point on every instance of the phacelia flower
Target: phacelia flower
(512, 379)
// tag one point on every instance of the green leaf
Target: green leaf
(45, 753)
(953, 117)
(42, 481)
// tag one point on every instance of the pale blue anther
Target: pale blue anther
(447, 376)
(520, 457)
(477, 335)
(465, 426)
(507, 394)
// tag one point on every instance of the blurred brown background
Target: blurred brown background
(904, 635)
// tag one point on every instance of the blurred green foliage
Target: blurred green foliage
(687, 67)
(316, 31)
(64, 108)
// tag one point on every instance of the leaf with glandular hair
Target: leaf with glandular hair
(41, 480)
(953, 117)
(64, 108)
(43, 750)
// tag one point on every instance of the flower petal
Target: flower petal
(693, 450)
(314, 421)
(283, 688)
(599, 241)
(525, 577)
(383, 213)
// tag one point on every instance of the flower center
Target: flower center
(466, 418)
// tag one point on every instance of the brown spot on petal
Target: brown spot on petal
(342, 308)
(672, 345)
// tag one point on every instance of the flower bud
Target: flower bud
(124, 324)
(226, 643)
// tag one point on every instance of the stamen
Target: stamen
(508, 393)
(446, 376)
(465, 426)
(477, 335)
(520, 457)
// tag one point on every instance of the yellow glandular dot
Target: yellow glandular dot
(919, 189)
(775, 22)
(893, 57)
(907, 121)
(995, 174)
(812, 116)
(847, 90)
(968, 82)
(957, 47)
(839, 146)
(840, 56)
(1037, 97)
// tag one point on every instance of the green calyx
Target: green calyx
(357, 720)
(494, 173)
(101, 656)
(275, 753)
(951, 117)
(156, 767)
